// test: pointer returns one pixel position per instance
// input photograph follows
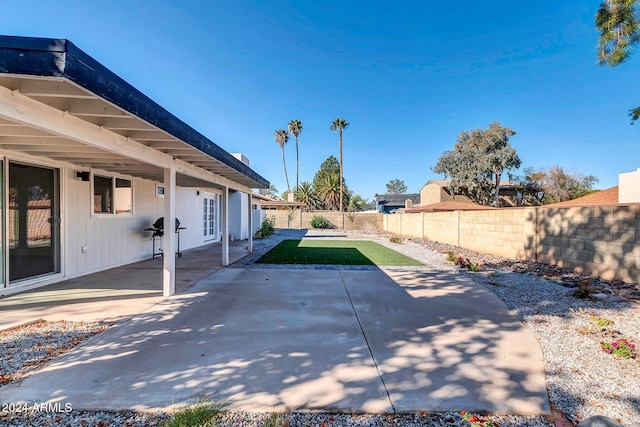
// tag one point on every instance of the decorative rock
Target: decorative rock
(568, 285)
(599, 421)
(600, 296)
(617, 298)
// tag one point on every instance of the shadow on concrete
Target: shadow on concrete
(115, 293)
(348, 341)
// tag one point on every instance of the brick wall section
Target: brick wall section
(346, 221)
(595, 240)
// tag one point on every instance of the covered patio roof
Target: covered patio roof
(59, 103)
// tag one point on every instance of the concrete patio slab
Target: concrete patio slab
(291, 339)
(443, 343)
(113, 294)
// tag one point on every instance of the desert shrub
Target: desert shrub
(395, 239)
(466, 263)
(266, 228)
(318, 221)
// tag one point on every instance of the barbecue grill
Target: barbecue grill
(158, 232)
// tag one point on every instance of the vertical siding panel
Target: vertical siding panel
(69, 222)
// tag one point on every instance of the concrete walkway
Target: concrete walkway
(353, 341)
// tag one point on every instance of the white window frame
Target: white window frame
(113, 213)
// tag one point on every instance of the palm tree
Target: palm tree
(329, 191)
(338, 125)
(306, 194)
(282, 136)
(295, 128)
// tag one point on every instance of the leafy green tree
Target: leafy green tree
(329, 172)
(396, 186)
(273, 192)
(477, 162)
(554, 184)
(295, 128)
(339, 125)
(531, 185)
(560, 185)
(358, 203)
(281, 136)
(619, 26)
(305, 193)
(330, 166)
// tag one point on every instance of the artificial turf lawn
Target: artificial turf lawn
(334, 252)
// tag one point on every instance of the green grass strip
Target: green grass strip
(335, 252)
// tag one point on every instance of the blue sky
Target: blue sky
(408, 76)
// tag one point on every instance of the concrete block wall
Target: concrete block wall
(504, 232)
(597, 240)
(442, 227)
(346, 221)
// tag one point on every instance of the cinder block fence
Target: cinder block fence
(344, 221)
(595, 240)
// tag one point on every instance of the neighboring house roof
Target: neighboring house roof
(440, 182)
(451, 205)
(445, 183)
(268, 202)
(282, 203)
(261, 197)
(397, 199)
(57, 73)
(602, 197)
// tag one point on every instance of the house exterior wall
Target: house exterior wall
(117, 240)
(629, 187)
(433, 193)
(110, 240)
(189, 210)
(597, 240)
(257, 216)
(90, 243)
(237, 216)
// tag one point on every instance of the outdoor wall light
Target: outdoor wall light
(84, 176)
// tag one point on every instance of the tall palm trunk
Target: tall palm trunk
(296, 161)
(286, 177)
(341, 188)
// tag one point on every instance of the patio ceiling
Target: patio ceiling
(66, 93)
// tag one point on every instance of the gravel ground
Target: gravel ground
(582, 379)
(26, 348)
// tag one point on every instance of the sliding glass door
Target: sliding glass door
(33, 221)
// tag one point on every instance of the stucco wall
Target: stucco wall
(599, 240)
(433, 193)
(629, 187)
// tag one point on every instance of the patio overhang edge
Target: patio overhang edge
(60, 58)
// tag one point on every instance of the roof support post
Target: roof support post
(249, 224)
(225, 226)
(169, 239)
